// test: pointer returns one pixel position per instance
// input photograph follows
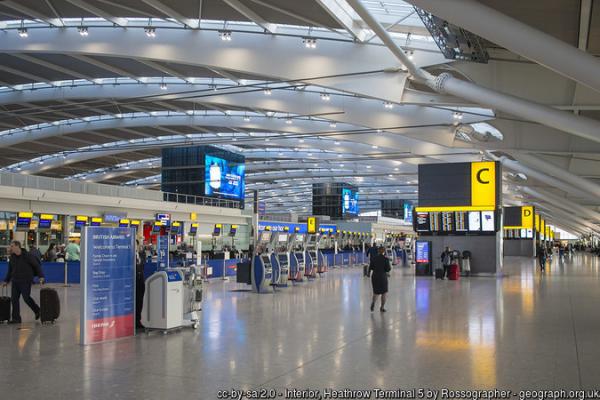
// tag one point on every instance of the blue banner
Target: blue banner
(280, 227)
(224, 178)
(108, 273)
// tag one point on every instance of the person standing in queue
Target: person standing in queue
(446, 261)
(140, 285)
(51, 255)
(379, 269)
(22, 268)
(371, 253)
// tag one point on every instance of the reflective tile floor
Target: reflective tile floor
(526, 331)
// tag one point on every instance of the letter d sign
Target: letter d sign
(483, 184)
(527, 217)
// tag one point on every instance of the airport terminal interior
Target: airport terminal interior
(300, 199)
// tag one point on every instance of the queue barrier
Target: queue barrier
(53, 271)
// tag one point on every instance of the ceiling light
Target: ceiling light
(309, 42)
(336, 143)
(396, 169)
(310, 154)
(267, 140)
(368, 166)
(267, 91)
(150, 31)
(23, 32)
(388, 104)
(83, 31)
(225, 35)
(374, 147)
(163, 86)
(457, 115)
(19, 168)
(41, 162)
(301, 140)
(280, 154)
(378, 130)
(288, 121)
(332, 125)
(391, 176)
(246, 118)
(410, 54)
(341, 165)
(325, 97)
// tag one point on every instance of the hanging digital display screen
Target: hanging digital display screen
(135, 223)
(487, 221)
(349, 201)
(461, 222)
(193, 229)
(422, 221)
(46, 221)
(96, 221)
(80, 222)
(124, 223)
(176, 228)
(474, 221)
(223, 178)
(24, 221)
(156, 227)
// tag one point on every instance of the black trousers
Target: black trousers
(446, 271)
(140, 289)
(19, 289)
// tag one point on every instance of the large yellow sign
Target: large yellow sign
(527, 217)
(537, 222)
(311, 225)
(483, 184)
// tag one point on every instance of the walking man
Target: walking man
(22, 267)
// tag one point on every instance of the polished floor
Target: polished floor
(527, 331)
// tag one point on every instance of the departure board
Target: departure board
(434, 221)
(458, 223)
(447, 221)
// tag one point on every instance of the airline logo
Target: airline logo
(483, 184)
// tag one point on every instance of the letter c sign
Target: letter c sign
(483, 184)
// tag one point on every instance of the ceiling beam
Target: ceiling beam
(53, 67)
(171, 13)
(32, 13)
(105, 66)
(27, 75)
(585, 17)
(163, 69)
(84, 5)
(251, 15)
(342, 13)
(224, 74)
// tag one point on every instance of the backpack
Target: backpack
(447, 260)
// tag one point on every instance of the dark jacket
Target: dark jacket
(449, 253)
(380, 265)
(23, 268)
(37, 254)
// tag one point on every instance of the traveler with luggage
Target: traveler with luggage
(379, 269)
(446, 261)
(22, 268)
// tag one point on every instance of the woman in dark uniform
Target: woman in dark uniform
(380, 267)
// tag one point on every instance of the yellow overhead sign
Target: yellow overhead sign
(25, 214)
(537, 222)
(483, 184)
(47, 216)
(193, 216)
(311, 225)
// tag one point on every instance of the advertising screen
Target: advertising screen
(408, 214)
(349, 202)
(265, 236)
(422, 224)
(487, 221)
(474, 221)
(422, 252)
(224, 179)
(283, 238)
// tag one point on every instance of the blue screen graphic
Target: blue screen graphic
(408, 209)
(422, 250)
(223, 179)
(349, 202)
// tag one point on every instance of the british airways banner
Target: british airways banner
(108, 283)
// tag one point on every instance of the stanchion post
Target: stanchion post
(66, 278)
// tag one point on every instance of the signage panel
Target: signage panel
(311, 225)
(483, 184)
(108, 276)
(422, 252)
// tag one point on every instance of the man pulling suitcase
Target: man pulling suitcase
(22, 268)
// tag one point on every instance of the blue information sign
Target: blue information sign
(422, 250)
(108, 282)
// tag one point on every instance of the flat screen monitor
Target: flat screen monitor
(474, 221)
(299, 238)
(45, 224)
(265, 236)
(529, 233)
(422, 222)
(224, 178)
(23, 223)
(156, 228)
(524, 234)
(422, 252)
(282, 238)
(349, 202)
(312, 239)
(487, 221)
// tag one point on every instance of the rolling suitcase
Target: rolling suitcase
(49, 305)
(4, 306)
(454, 272)
(439, 273)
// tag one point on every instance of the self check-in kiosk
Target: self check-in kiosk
(261, 272)
(297, 262)
(312, 255)
(280, 258)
